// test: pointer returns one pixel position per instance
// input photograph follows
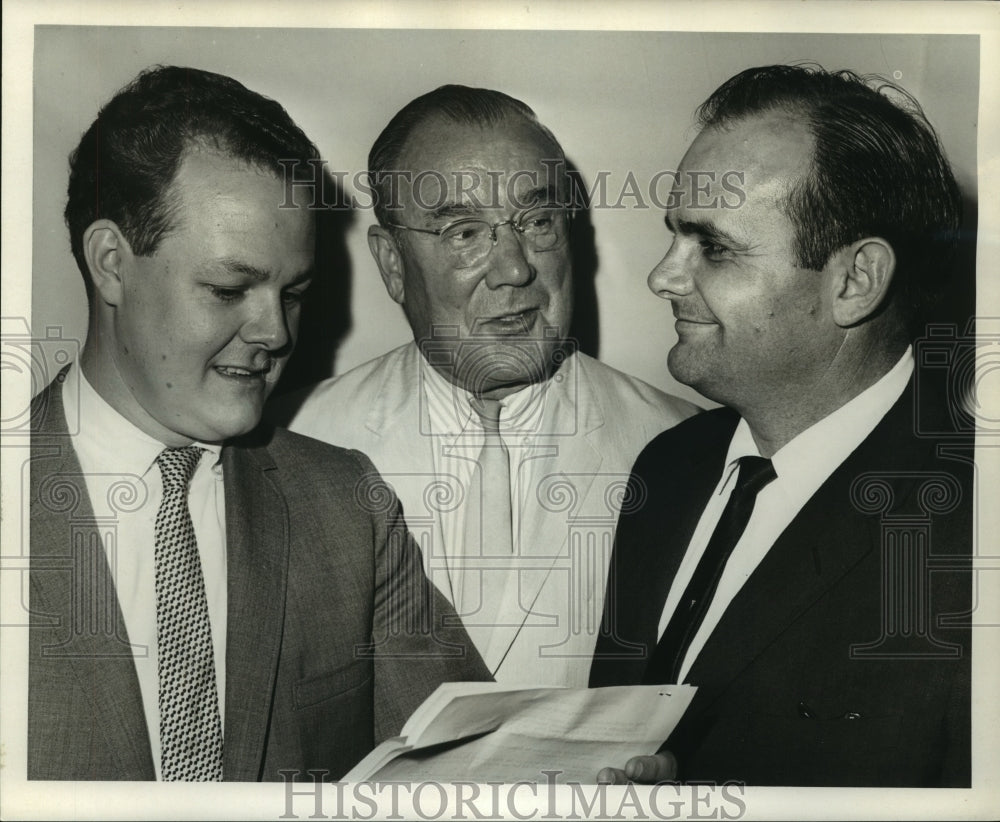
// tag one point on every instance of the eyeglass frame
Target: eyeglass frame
(513, 222)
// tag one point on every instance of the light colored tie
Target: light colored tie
(190, 726)
(487, 525)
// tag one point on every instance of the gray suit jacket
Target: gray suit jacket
(595, 422)
(334, 634)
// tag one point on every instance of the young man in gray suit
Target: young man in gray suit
(804, 554)
(234, 606)
(509, 448)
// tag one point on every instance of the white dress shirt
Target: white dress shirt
(802, 465)
(457, 435)
(124, 484)
(572, 449)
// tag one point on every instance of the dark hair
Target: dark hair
(125, 162)
(878, 169)
(481, 107)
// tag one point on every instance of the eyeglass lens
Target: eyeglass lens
(542, 229)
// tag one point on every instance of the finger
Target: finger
(654, 768)
(611, 776)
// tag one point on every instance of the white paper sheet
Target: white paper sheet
(518, 735)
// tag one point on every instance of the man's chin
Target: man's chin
(496, 371)
(686, 368)
(217, 431)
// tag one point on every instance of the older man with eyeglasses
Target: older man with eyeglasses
(509, 449)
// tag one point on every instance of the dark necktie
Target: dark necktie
(665, 663)
(190, 726)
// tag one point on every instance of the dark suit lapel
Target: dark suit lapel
(257, 569)
(698, 477)
(827, 538)
(817, 548)
(71, 580)
(652, 537)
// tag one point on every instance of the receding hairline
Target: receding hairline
(511, 118)
(778, 115)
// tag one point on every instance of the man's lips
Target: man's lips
(681, 315)
(243, 372)
(511, 321)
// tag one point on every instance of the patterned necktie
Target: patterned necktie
(487, 529)
(190, 726)
(665, 664)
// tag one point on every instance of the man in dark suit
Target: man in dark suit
(210, 599)
(801, 554)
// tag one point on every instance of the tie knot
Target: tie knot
(177, 465)
(755, 473)
(488, 411)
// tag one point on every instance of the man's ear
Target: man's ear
(863, 273)
(390, 262)
(107, 252)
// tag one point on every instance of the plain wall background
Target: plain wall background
(634, 91)
(619, 103)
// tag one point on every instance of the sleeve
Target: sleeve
(418, 640)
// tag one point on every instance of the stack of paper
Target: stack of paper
(485, 732)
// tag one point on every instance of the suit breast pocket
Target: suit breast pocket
(317, 689)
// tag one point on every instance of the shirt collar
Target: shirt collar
(449, 410)
(107, 441)
(817, 451)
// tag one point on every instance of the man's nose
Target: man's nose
(670, 277)
(509, 265)
(268, 325)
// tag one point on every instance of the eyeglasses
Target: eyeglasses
(469, 241)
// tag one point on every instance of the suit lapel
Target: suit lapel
(100, 659)
(816, 549)
(564, 469)
(701, 474)
(825, 540)
(257, 543)
(568, 462)
(399, 423)
(670, 484)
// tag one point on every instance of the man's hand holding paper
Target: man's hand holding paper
(482, 732)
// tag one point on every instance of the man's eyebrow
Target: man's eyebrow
(253, 272)
(456, 210)
(542, 194)
(244, 269)
(304, 277)
(706, 230)
(453, 210)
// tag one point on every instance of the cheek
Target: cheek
(459, 295)
(554, 279)
(157, 315)
(425, 289)
(761, 322)
(187, 348)
(737, 310)
(293, 316)
(553, 268)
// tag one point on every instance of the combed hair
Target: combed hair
(126, 161)
(480, 107)
(878, 170)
